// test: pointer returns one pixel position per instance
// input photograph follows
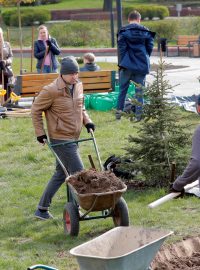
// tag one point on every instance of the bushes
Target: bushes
(148, 11)
(82, 34)
(28, 16)
(167, 29)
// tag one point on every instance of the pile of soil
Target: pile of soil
(185, 263)
(91, 181)
(183, 255)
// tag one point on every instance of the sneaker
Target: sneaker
(118, 115)
(43, 215)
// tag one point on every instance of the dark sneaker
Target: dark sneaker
(118, 115)
(43, 215)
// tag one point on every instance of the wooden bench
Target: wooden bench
(185, 41)
(29, 85)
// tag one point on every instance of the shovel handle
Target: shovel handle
(171, 196)
(164, 199)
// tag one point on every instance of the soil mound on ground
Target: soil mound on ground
(91, 181)
(181, 256)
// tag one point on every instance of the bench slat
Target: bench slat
(37, 88)
(43, 76)
(31, 83)
(95, 80)
(91, 74)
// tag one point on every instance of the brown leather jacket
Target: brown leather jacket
(64, 114)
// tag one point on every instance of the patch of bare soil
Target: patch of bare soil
(91, 181)
(184, 255)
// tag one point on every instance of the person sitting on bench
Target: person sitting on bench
(89, 63)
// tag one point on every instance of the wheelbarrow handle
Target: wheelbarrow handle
(41, 266)
(58, 159)
(96, 149)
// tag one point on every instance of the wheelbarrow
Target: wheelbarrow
(121, 248)
(109, 204)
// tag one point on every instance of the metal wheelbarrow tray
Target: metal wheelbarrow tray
(121, 248)
(97, 201)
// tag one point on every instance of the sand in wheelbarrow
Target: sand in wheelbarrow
(91, 181)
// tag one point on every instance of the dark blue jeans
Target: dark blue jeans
(47, 69)
(125, 76)
(70, 158)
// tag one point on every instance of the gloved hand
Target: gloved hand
(48, 42)
(172, 190)
(90, 126)
(2, 64)
(42, 139)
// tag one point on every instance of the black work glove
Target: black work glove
(172, 190)
(90, 126)
(2, 64)
(48, 42)
(42, 139)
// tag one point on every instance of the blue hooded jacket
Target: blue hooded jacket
(135, 45)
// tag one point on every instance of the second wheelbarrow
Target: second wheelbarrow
(121, 248)
(110, 204)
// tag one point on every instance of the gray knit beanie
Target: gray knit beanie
(69, 65)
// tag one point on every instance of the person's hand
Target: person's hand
(173, 190)
(90, 126)
(42, 139)
(48, 42)
(2, 64)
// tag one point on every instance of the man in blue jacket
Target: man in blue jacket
(135, 45)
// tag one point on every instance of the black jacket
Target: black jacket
(39, 52)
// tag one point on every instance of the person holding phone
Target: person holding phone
(45, 51)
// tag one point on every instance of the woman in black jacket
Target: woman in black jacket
(45, 50)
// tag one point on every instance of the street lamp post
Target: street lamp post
(119, 14)
(112, 25)
(20, 34)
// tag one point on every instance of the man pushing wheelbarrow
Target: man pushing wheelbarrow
(62, 101)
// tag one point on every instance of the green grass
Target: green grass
(76, 4)
(25, 169)
(26, 64)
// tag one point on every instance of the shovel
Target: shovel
(172, 195)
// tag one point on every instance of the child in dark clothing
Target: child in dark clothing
(89, 63)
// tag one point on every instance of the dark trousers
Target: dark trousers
(125, 76)
(70, 158)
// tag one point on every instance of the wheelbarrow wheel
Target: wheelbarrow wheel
(120, 213)
(71, 219)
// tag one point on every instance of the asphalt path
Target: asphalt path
(183, 80)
